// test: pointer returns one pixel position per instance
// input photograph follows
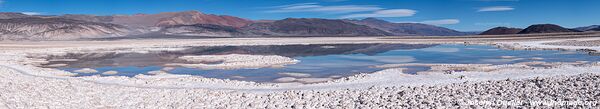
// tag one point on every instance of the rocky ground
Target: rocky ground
(23, 85)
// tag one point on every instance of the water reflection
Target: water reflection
(318, 61)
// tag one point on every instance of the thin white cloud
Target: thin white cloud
(384, 13)
(441, 22)
(437, 22)
(315, 7)
(492, 24)
(31, 13)
(495, 8)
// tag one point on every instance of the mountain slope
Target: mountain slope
(32, 28)
(12, 15)
(406, 29)
(202, 30)
(501, 31)
(164, 19)
(312, 27)
(595, 29)
(545, 28)
(179, 18)
(587, 28)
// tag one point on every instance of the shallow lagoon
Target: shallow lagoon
(320, 61)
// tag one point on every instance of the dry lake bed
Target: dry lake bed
(544, 70)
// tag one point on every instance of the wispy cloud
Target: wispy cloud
(493, 24)
(384, 13)
(32, 13)
(437, 22)
(441, 22)
(315, 7)
(495, 8)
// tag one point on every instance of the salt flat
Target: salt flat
(23, 85)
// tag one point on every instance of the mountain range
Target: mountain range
(589, 28)
(407, 29)
(18, 26)
(32, 28)
(538, 28)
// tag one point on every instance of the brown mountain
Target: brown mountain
(501, 31)
(407, 29)
(34, 28)
(165, 19)
(545, 28)
(312, 27)
(179, 18)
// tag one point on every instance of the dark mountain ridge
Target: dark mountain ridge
(501, 31)
(407, 29)
(312, 27)
(588, 28)
(545, 28)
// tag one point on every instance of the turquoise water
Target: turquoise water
(318, 60)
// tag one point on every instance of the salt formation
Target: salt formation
(297, 75)
(110, 73)
(235, 61)
(86, 70)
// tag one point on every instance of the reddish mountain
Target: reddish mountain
(178, 18)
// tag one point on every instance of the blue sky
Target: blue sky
(463, 15)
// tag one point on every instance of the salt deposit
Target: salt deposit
(168, 68)
(86, 70)
(313, 80)
(507, 57)
(110, 73)
(157, 72)
(285, 79)
(236, 61)
(537, 58)
(298, 75)
(56, 65)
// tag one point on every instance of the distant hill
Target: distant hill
(501, 31)
(545, 28)
(12, 15)
(587, 28)
(312, 27)
(33, 28)
(595, 29)
(407, 29)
